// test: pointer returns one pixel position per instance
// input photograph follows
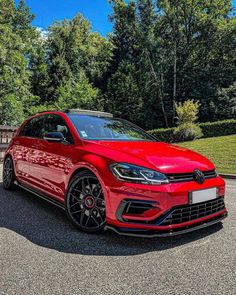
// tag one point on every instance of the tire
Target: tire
(85, 204)
(8, 174)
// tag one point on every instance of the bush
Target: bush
(219, 128)
(187, 112)
(163, 134)
(209, 129)
(187, 129)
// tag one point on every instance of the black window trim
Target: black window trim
(71, 135)
(44, 116)
(27, 122)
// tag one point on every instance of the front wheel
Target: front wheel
(84, 202)
(8, 174)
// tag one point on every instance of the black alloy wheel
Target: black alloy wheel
(85, 204)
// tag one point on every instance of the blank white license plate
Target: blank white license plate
(203, 195)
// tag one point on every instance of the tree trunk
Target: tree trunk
(162, 99)
(161, 92)
(174, 81)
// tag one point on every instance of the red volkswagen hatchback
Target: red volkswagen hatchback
(108, 173)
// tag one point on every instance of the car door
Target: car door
(23, 145)
(50, 162)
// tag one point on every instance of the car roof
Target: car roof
(78, 112)
(89, 113)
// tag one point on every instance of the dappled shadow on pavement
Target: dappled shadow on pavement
(47, 226)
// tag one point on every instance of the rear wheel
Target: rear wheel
(8, 174)
(85, 204)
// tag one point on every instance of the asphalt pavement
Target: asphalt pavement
(42, 253)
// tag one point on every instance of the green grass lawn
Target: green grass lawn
(220, 150)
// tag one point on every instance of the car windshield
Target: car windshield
(102, 128)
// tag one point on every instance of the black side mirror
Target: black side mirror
(54, 136)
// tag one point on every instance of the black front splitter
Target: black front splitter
(162, 234)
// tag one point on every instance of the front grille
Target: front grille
(182, 177)
(191, 212)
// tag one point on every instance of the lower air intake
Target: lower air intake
(187, 213)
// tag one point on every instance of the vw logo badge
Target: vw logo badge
(198, 176)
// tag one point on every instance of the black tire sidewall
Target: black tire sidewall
(67, 199)
(11, 185)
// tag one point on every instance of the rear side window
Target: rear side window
(33, 128)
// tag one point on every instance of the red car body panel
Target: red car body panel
(48, 167)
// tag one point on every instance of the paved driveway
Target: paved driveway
(41, 253)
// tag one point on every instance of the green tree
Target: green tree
(123, 37)
(77, 94)
(38, 66)
(77, 64)
(15, 95)
(159, 53)
(123, 93)
(151, 66)
(74, 48)
(99, 53)
(192, 33)
(22, 24)
(177, 49)
(123, 97)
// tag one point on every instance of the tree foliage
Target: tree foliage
(15, 94)
(180, 49)
(159, 54)
(77, 61)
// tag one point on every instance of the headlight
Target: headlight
(132, 173)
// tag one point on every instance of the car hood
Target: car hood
(166, 158)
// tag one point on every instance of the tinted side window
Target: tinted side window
(33, 128)
(54, 123)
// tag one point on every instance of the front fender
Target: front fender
(99, 166)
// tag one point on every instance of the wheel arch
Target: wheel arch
(80, 169)
(85, 166)
(7, 154)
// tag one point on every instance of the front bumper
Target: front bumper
(162, 201)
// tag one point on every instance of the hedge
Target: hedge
(219, 128)
(209, 129)
(163, 134)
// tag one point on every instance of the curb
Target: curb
(228, 176)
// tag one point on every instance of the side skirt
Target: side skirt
(42, 196)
